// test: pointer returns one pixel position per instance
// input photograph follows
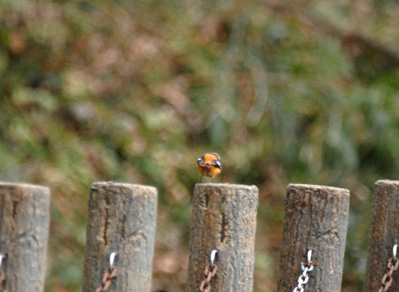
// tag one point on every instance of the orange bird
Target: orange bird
(209, 165)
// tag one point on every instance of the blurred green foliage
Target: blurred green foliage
(135, 91)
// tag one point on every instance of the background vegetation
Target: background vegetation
(134, 91)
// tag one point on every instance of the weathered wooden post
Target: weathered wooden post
(316, 218)
(384, 234)
(24, 224)
(223, 219)
(122, 219)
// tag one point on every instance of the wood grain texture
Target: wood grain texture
(316, 218)
(24, 225)
(122, 219)
(223, 217)
(384, 234)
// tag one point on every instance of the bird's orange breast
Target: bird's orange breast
(209, 165)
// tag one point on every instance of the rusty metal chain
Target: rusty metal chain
(109, 274)
(393, 264)
(304, 277)
(2, 278)
(107, 279)
(2, 273)
(209, 272)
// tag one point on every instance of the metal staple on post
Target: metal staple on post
(209, 272)
(304, 277)
(109, 274)
(393, 264)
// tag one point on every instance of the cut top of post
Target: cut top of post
(387, 182)
(25, 186)
(110, 184)
(226, 185)
(304, 187)
(245, 196)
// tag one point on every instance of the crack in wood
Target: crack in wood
(123, 226)
(123, 220)
(206, 200)
(14, 208)
(105, 226)
(131, 234)
(223, 230)
(106, 221)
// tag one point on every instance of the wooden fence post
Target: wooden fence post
(223, 218)
(384, 234)
(122, 219)
(24, 224)
(316, 218)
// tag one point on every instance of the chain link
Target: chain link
(2, 273)
(109, 274)
(304, 277)
(393, 264)
(209, 272)
(107, 279)
(2, 279)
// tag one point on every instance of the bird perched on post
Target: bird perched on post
(209, 165)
